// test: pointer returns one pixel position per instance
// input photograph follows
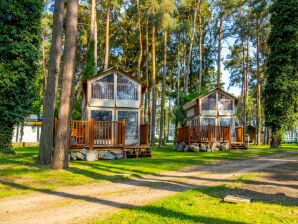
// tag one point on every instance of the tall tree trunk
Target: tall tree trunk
(276, 137)
(46, 138)
(93, 30)
(147, 103)
(178, 71)
(184, 70)
(243, 79)
(140, 38)
(221, 16)
(190, 49)
(44, 69)
(200, 46)
(107, 45)
(259, 107)
(153, 120)
(162, 100)
(246, 76)
(60, 158)
(6, 134)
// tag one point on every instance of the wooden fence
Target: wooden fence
(203, 134)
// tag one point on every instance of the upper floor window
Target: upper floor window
(224, 102)
(103, 88)
(209, 102)
(126, 89)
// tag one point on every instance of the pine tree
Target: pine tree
(20, 23)
(282, 84)
(46, 138)
(60, 158)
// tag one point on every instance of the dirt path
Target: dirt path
(72, 204)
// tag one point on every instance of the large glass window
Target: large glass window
(207, 120)
(228, 121)
(126, 89)
(131, 121)
(224, 102)
(103, 88)
(209, 102)
(101, 115)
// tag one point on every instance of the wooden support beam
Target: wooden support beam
(91, 134)
(209, 134)
(123, 138)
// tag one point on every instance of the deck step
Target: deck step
(138, 152)
(238, 146)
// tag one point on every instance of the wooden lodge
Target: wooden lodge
(211, 118)
(112, 104)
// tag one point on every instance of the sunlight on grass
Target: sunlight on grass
(204, 206)
(21, 174)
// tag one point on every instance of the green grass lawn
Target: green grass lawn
(205, 206)
(20, 173)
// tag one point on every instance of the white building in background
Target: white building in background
(291, 135)
(29, 131)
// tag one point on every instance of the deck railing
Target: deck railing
(203, 134)
(97, 133)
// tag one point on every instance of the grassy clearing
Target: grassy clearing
(20, 173)
(205, 206)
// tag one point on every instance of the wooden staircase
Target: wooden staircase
(238, 145)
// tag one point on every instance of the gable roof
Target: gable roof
(193, 102)
(116, 70)
(120, 71)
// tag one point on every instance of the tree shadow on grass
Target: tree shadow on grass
(151, 209)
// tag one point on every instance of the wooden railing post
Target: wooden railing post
(229, 129)
(91, 134)
(123, 138)
(209, 134)
(188, 135)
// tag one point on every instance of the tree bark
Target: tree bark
(184, 70)
(276, 138)
(60, 158)
(246, 77)
(140, 38)
(178, 71)
(153, 120)
(6, 133)
(46, 138)
(190, 49)
(162, 100)
(219, 45)
(107, 46)
(259, 107)
(93, 30)
(200, 46)
(44, 69)
(146, 103)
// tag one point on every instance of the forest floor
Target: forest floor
(271, 181)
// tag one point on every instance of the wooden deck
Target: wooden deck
(203, 134)
(106, 135)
